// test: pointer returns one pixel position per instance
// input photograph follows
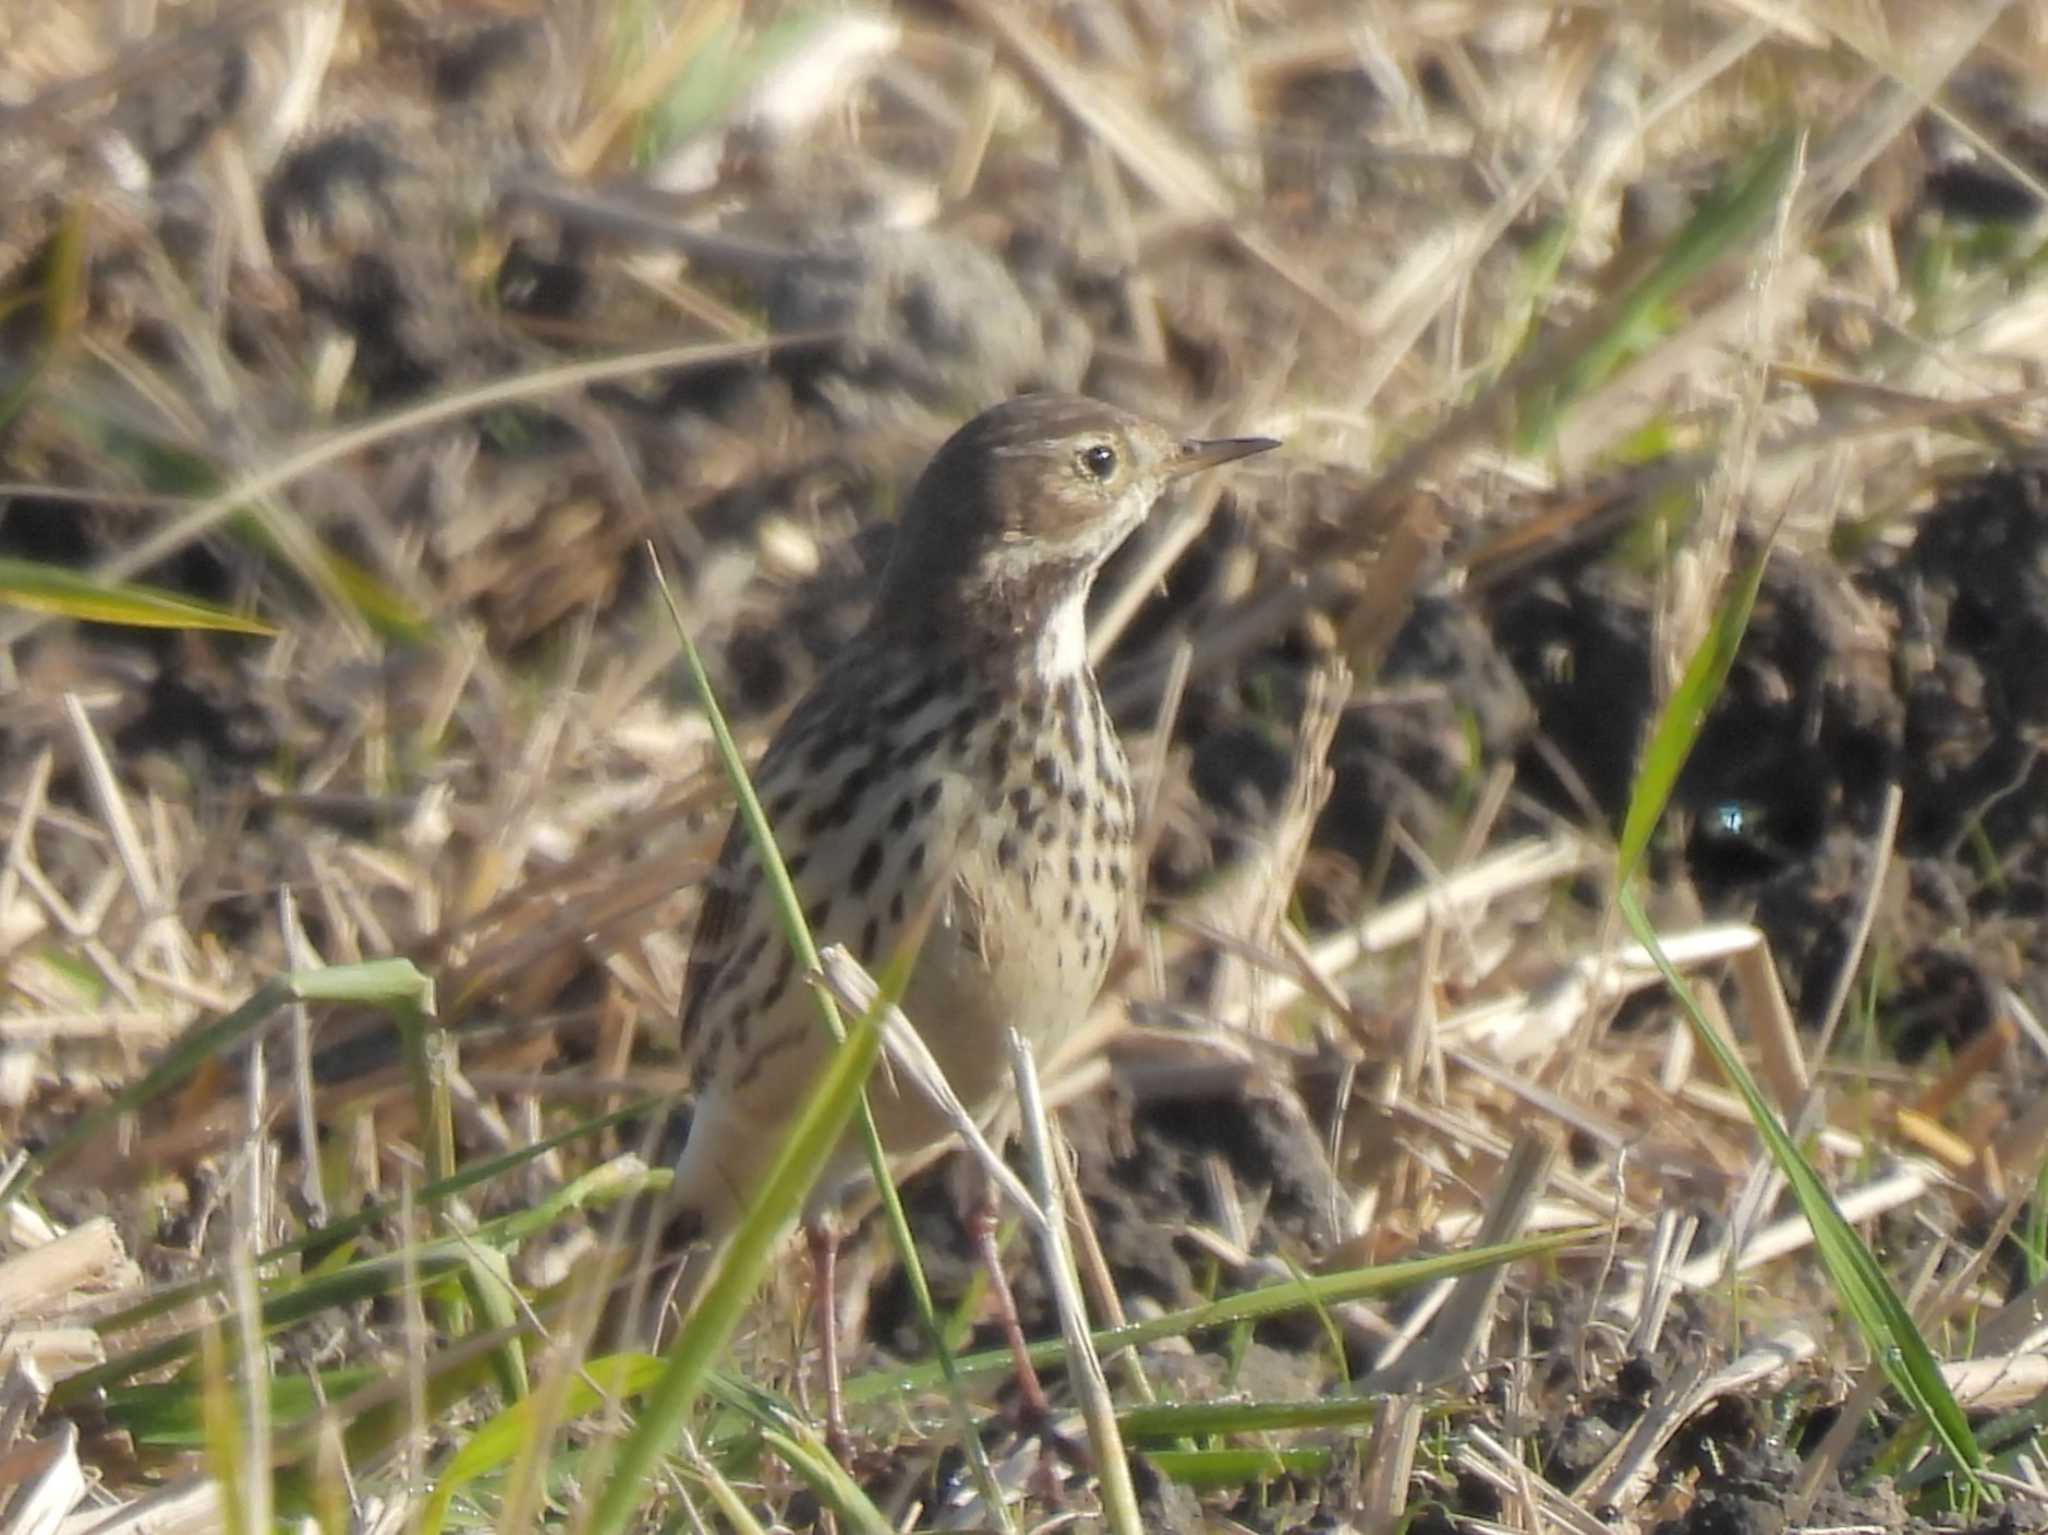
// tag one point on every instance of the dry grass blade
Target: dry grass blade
(1463, 894)
(1460, 1313)
(1541, 1505)
(153, 58)
(47, 1483)
(1866, 914)
(1084, 1367)
(1610, 1484)
(856, 991)
(1864, 134)
(1248, 902)
(1389, 1461)
(1184, 183)
(1170, 173)
(335, 446)
(50, 1280)
(113, 806)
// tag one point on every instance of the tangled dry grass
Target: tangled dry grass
(398, 331)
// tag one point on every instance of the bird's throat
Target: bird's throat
(1060, 647)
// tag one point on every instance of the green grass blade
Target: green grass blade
(733, 60)
(808, 1458)
(780, 887)
(42, 588)
(494, 1442)
(165, 1416)
(1279, 1299)
(351, 587)
(601, 1185)
(350, 1283)
(1216, 1469)
(832, 1105)
(1866, 1293)
(225, 1457)
(396, 985)
(380, 1427)
(1678, 727)
(493, 1303)
(1193, 1420)
(270, 526)
(390, 983)
(60, 293)
(1736, 210)
(372, 1279)
(725, 1297)
(729, 1502)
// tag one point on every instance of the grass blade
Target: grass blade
(808, 1458)
(603, 1184)
(394, 984)
(1217, 1469)
(1861, 1284)
(1678, 727)
(1272, 1300)
(1193, 1420)
(1866, 1293)
(1736, 210)
(51, 589)
(802, 1156)
(494, 1442)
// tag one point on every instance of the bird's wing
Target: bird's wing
(737, 926)
(736, 899)
(737, 904)
(720, 921)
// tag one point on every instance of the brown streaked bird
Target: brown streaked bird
(959, 738)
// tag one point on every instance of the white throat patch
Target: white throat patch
(1063, 643)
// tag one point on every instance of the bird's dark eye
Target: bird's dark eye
(1099, 461)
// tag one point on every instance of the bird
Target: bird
(953, 765)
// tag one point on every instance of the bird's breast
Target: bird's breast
(1046, 865)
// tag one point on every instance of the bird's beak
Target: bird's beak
(1197, 454)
